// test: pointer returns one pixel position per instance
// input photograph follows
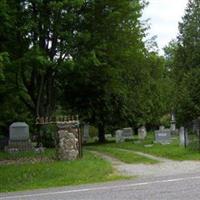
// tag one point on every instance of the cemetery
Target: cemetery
(123, 145)
(87, 96)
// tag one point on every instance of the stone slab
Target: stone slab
(163, 136)
(19, 131)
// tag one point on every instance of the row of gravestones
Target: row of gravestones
(162, 136)
(120, 135)
(127, 133)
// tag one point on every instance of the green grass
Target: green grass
(48, 153)
(124, 156)
(172, 151)
(90, 169)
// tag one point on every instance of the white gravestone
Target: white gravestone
(142, 133)
(118, 136)
(173, 123)
(183, 136)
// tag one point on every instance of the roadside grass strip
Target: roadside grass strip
(90, 169)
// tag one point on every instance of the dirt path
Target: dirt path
(166, 167)
(115, 162)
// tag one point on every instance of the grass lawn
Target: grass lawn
(127, 157)
(172, 151)
(90, 169)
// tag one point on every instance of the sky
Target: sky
(164, 16)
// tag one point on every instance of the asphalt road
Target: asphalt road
(181, 187)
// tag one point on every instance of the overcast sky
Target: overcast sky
(164, 16)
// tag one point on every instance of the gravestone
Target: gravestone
(122, 135)
(163, 136)
(173, 123)
(86, 135)
(183, 136)
(19, 131)
(127, 133)
(118, 136)
(19, 138)
(142, 133)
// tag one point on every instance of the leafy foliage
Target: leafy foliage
(85, 57)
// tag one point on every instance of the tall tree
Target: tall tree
(110, 67)
(44, 38)
(186, 62)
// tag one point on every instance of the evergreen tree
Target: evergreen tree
(185, 62)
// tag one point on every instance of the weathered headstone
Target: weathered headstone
(122, 135)
(142, 133)
(183, 136)
(127, 133)
(86, 135)
(19, 138)
(19, 131)
(163, 136)
(118, 136)
(173, 123)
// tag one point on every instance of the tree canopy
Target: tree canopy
(84, 57)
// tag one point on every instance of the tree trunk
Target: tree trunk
(101, 133)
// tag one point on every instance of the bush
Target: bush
(48, 135)
(93, 132)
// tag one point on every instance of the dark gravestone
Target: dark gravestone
(163, 136)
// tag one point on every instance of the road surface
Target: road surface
(179, 187)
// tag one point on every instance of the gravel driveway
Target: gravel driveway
(165, 167)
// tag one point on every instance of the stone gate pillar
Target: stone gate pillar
(68, 140)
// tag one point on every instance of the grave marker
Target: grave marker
(163, 136)
(86, 135)
(19, 139)
(142, 133)
(125, 133)
(183, 136)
